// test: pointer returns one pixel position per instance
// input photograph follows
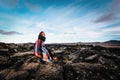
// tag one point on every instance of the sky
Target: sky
(63, 21)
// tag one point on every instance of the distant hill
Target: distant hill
(113, 42)
(116, 42)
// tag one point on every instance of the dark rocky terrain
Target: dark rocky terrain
(76, 61)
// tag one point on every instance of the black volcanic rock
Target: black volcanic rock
(87, 71)
(92, 58)
(75, 62)
(4, 51)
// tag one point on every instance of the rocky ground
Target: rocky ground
(75, 62)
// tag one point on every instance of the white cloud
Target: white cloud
(113, 29)
(60, 25)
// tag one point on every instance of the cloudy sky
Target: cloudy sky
(61, 20)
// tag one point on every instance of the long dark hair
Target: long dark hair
(41, 37)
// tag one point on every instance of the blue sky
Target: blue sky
(61, 20)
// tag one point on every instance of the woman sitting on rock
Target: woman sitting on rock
(40, 50)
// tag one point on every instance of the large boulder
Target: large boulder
(49, 71)
(87, 71)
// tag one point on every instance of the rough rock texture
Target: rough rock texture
(75, 62)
